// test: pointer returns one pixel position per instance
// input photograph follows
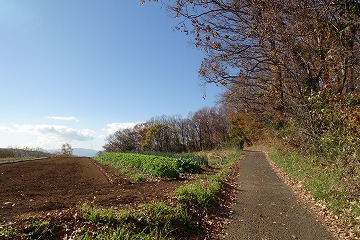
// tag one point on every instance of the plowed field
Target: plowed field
(57, 183)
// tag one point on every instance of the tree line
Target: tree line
(205, 129)
(273, 55)
(294, 65)
(17, 152)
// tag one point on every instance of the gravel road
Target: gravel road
(267, 208)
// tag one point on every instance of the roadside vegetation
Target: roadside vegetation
(328, 184)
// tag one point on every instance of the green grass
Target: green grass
(148, 221)
(204, 193)
(197, 158)
(34, 229)
(156, 166)
(201, 194)
(325, 182)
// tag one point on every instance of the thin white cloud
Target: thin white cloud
(47, 142)
(64, 133)
(113, 127)
(48, 136)
(63, 118)
(5, 129)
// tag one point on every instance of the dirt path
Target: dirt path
(266, 207)
(51, 184)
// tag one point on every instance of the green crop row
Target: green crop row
(199, 159)
(157, 166)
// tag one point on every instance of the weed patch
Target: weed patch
(203, 193)
(148, 221)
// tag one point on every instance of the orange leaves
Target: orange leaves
(216, 45)
(224, 57)
(208, 28)
(216, 34)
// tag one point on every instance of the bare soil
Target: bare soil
(59, 183)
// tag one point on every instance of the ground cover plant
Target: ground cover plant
(154, 165)
(132, 172)
(195, 158)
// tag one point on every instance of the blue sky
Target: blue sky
(75, 71)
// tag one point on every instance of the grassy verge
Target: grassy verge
(19, 159)
(325, 182)
(148, 221)
(203, 193)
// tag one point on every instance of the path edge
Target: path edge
(334, 224)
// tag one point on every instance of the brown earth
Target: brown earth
(59, 183)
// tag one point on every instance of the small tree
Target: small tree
(66, 149)
(6, 153)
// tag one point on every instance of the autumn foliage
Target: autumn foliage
(292, 65)
(205, 129)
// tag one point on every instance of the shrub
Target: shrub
(328, 130)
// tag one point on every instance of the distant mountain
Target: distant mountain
(81, 152)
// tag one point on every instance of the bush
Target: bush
(329, 130)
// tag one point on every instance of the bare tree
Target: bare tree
(66, 149)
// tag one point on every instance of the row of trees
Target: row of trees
(17, 152)
(273, 55)
(207, 128)
(293, 64)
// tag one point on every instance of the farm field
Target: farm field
(59, 183)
